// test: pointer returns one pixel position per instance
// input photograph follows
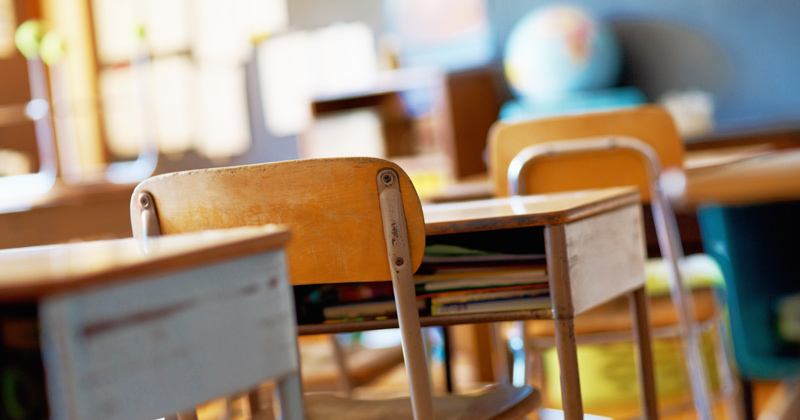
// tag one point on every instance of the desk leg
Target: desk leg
(447, 337)
(290, 395)
(568, 363)
(641, 333)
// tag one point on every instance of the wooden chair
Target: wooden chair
(596, 150)
(352, 220)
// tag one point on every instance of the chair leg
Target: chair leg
(536, 377)
(667, 232)
(499, 355)
(730, 383)
(340, 359)
(447, 344)
(641, 334)
(568, 364)
(739, 407)
(428, 342)
(527, 356)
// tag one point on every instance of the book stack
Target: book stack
(450, 281)
(344, 302)
(454, 280)
(485, 291)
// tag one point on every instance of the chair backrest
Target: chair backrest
(331, 206)
(649, 124)
(352, 220)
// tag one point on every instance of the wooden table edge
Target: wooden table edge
(201, 257)
(627, 196)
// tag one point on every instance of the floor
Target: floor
(394, 383)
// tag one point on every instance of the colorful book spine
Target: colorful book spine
(497, 305)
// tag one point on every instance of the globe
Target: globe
(557, 50)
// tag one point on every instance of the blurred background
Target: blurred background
(96, 95)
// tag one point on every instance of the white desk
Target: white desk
(137, 331)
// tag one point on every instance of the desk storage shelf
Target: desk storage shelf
(521, 224)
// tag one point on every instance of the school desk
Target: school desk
(120, 330)
(594, 246)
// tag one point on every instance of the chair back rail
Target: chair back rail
(618, 166)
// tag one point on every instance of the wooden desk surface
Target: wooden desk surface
(523, 211)
(762, 178)
(34, 272)
(67, 213)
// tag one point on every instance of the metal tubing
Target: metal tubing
(666, 230)
(396, 233)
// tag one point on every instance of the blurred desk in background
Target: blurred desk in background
(67, 213)
(748, 213)
(413, 107)
(697, 163)
(757, 179)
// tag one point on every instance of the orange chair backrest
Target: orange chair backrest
(331, 206)
(650, 124)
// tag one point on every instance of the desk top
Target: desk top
(759, 179)
(523, 211)
(34, 272)
(385, 82)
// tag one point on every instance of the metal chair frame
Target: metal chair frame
(668, 240)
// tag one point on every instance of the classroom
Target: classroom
(399, 209)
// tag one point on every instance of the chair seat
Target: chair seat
(497, 402)
(320, 372)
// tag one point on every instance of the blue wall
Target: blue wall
(758, 42)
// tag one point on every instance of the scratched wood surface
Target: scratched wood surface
(525, 211)
(602, 258)
(33, 272)
(165, 343)
(331, 206)
(651, 124)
